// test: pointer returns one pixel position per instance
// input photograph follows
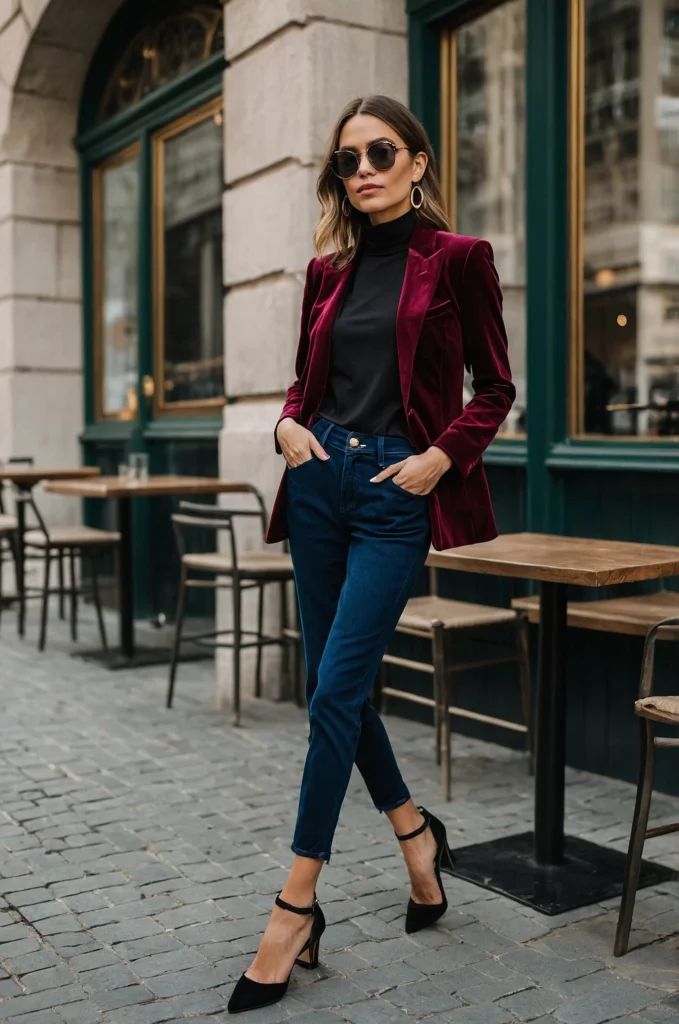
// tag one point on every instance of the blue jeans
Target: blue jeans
(357, 549)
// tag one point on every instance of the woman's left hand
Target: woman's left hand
(418, 474)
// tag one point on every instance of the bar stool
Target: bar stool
(649, 710)
(237, 571)
(67, 542)
(443, 621)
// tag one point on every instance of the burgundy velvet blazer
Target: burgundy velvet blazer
(449, 316)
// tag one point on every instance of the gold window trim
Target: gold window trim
(118, 159)
(576, 215)
(160, 406)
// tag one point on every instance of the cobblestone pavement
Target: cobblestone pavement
(140, 850)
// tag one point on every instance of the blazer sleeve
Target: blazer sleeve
(485, 353)
(295, 393)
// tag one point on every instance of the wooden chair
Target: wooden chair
(67, 542)
(237, 571)
(444, 621)
(630, 616)
(8, 528)
(8, 540)
(649, 709)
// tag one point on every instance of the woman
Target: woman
(381, 461)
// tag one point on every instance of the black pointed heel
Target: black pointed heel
(253, 995)
(421, 915)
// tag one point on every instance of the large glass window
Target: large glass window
(626, 109)
(188, 255)
(483, 165)
(116, 216)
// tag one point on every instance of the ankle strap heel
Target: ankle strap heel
(418, 831)
(295, 910)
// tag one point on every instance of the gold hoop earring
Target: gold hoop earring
(416, 188)
(346, 209)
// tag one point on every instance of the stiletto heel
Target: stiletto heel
(252, 995)
(309, 957)
(420, 915)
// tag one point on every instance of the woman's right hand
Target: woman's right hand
(297, 443)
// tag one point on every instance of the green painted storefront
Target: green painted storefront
(552, 480)
(183, 439)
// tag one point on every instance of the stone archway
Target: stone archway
(45, 49)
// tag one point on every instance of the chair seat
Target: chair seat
(7, 524)
(660, 709)
(71, 537)
(422, 612)
(254, 564)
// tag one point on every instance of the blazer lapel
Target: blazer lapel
(330, 296)
(423, 269)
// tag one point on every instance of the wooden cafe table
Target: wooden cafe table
(124, 491)
(546, 869)
(25, 478)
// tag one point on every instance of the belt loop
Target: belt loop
(380, 451)
(324, 436)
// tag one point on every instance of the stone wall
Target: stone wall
(45, 48)
(293, 65)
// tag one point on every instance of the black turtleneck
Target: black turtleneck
(363, 391)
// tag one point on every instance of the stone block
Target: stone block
(34, 258)
(268, 103)
(350, 62)
(42, 193)
(41, 130)
(45, 334)
(68, 261)
(6, 269)
(13, 42)
(54, 71)
(52, 436)
(250, 22)
(270, 222)
(262, 328)
(6, 191)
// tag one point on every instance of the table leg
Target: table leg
(20, 563)
(126, 580)
(544, 869)
(550, 732)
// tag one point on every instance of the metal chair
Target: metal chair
(649, 710)
(443, 621)
(67, 542)
(236, 571)
(8, 529)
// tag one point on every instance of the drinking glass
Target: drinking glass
(139, 467)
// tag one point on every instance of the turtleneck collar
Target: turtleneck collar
(393, 236)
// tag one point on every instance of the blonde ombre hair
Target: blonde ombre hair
(342, 233)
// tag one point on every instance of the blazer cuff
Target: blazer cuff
(458, 450)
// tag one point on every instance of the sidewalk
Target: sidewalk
(140, 850)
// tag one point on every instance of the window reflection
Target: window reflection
(190, 256)
(117, 216)
(631, 218)
(490, 163)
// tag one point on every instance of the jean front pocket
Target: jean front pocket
(302, 464)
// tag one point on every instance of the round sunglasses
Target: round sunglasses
(381, 155)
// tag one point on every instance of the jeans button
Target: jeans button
(354, 442)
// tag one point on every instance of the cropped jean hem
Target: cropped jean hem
(306, 853)
(393, 806)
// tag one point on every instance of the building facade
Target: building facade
(157, 183)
